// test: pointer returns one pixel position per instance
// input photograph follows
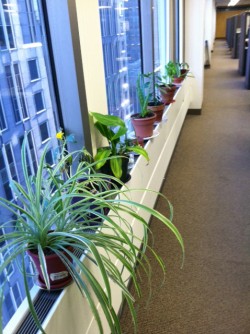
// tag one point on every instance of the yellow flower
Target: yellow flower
(60, 135)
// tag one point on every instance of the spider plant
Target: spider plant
(46, 220)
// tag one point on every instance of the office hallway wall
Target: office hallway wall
(208, 183)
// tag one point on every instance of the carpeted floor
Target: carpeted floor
(208, 183)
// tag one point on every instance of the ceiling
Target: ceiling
(225, 2)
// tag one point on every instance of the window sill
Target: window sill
(65, 316)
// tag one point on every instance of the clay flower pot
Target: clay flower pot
(178, 80)
(59, 275)
(143, 127)
(157, 109)
(167, 93)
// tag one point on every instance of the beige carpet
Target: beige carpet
(208, 183)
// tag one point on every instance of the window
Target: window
(16, 92)
(31, 154)
(121, 38)
(33, 68)
(12, 93)
(160, 34)
(29, 18)
(44, 131)
(3, 125)
(124, 24)
(7, 36)
(38, 98)
(49, 158)
(20, 91)
(5, 177)
(22, 30)
(176, 30)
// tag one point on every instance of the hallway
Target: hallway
(208, 183)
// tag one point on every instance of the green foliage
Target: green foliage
(151, 87)
(144, 94)
(114, 130)
(171, 70)
(46, 218)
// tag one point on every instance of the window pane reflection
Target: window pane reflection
(122, 54)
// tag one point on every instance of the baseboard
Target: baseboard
(194, 111)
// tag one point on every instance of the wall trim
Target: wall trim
(194, 111)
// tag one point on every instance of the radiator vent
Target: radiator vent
(43, 304)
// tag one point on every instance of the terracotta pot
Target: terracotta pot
(59, 275)
(167, 93)
(178, 80)
(184, 72)
(157, 110)
(143, 127)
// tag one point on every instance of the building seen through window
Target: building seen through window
(27, 106)
(120, 25)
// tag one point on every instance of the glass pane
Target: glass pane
(33, 69)
(160, 34)
(44, 131)
(22, 26)
(120, 26)
(2, 118)
(38, 97)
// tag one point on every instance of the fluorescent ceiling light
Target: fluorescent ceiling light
(233, 2)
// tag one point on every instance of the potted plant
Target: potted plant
(155, 103)
(113, 159)
(44, 222)
(181, 70)
(166, 84)
(143, 121)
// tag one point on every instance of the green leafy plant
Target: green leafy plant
(114, 129)
(151, 86)
(47, 220)
(144, 94)
(170, 71)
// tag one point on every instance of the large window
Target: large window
(134, 38)
(160, 33)
(121, 40)
(22, 97)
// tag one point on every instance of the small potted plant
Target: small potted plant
(155, 103)
(44, 223)
(166, 84)
(113, 159)
(143, 121)
(181, 70)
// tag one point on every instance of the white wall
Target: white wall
(210, 24)
(194, 47)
